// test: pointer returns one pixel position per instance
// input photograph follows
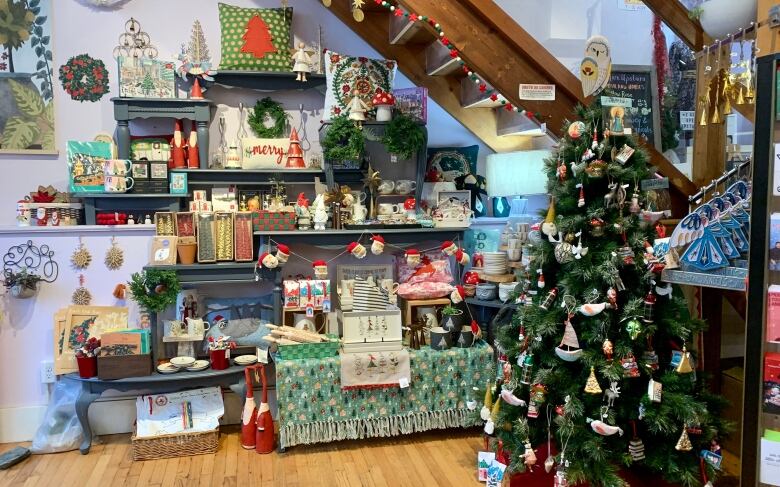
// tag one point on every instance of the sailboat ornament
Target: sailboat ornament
(569, 348)
(716, 231)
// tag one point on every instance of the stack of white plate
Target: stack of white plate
(495, 263)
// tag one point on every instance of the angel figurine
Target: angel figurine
(357, 107)
(301, 61)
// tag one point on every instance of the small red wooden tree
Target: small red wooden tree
(257, 38)
(295, 153)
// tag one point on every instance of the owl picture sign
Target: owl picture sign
(596, 66)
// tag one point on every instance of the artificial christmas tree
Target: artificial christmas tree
(575, 336)
(257, 38)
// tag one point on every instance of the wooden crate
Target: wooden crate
(123, 366)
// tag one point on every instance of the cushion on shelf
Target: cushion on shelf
(345, 74)
(255, 39)
(448, 163)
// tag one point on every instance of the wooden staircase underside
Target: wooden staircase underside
(499, 50)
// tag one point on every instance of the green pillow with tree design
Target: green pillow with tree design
(255, 39)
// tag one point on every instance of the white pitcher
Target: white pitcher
(359, 212)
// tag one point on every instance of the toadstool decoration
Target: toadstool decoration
(384, 103)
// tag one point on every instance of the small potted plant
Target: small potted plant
(22, 284)
(219, 352)
(453, 320)
(86, 358)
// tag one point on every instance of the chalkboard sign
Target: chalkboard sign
(638, 84)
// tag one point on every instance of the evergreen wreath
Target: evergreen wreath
(270, 108)
(403, 136)
(84, 78)
(154, 290)
(344, 140)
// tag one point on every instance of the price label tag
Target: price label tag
(262, 355)
(403, 382)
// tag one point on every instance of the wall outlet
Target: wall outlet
(47, 372)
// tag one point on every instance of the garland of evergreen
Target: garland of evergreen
(344, 140)
(273, 109)
(153, 289)
(403, 136)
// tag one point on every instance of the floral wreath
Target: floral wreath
(84, 78)
(273, 110)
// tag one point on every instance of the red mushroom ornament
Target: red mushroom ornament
(383, 102)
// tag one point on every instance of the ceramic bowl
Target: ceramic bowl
(182, 362)
(486, 291)
(167, 368)
(198, 365)
(505, 290)
(245, 359)
(471, 290)
(466, 337)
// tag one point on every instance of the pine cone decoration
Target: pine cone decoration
(81, 296)
(81, 257)
(115, 257)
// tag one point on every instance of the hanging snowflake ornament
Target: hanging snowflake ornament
(81, 296)
(115, 256)
(81, 258)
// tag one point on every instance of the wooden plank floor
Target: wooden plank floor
(436, 458)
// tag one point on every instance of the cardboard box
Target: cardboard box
(273, 220)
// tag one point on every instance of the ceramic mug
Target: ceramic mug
(386, 187)
(359, 196)
(486, 291)
(441, 339)
(505, 289)
(389, 286)
(513, 255)
(117, 184)
(405, 186)
(116, 167)
(303, 322)
(347, 288)
(196, 326)
(387, 208)
(359, 212)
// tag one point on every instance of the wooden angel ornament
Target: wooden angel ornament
(357, 107)
(302, 61)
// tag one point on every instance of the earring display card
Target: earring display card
(243, 237)
(185, 224)
(164, 223)
(163, 250)
(224, 234)
(207, 251)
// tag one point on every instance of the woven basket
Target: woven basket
(179, 445)
(310, 350)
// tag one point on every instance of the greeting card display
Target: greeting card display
(85, 166)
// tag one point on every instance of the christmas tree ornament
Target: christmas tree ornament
(377, 244)
(81, 258)
(475, 329)
(540, 279)
(537, 397)
(581, 199)
(634, 206)
(596, 65)
(684, 443)
(550, 299)
(462, 257)
(578, 250)
(636, 449)
(588, 155)
(560, 479)
(511, 399)
(576, 129)
(592, 309)
(592, 384)
(654, 390)
(649, 357)
(608, 349)
(526, 368)
(561, 170)
(569, 349)
(564, 252)
(81, 296)
(458, 295)
(449, 247)
(320, 269)
(282, 253)
(548, 226)
(595, 143)
(484, 413)
(603, 428)
(597, 227)
(648, 307)
(629, 366)
(357, 249)
(529, 457)
(506, 370)
(685, 367)
(633, 328)
(115, 256)
(412, 257)
(610, 395)
(596, 169)
(612, 298)
(490, 425)
(269, 261)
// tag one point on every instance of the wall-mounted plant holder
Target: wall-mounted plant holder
(25, 265)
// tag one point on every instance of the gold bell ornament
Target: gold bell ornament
(715, 116)
(684, 443)
(684, 367)
(592, 384)
(704, 102)
(725, 89)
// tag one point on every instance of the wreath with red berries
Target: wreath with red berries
(84, 78)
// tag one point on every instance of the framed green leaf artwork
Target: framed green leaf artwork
(27, 118)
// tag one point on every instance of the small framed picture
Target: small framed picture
(164, 223)
(140, 170)
(158, 170)
(185, 224)
(178, 183)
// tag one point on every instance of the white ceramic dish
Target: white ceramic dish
(183, 362)
(167, 368)
(245, 359)
(198, 365)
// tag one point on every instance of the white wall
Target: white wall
(79, 29)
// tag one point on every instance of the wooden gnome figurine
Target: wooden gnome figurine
(177, 147)
(301, 62)
(357, 107)
(294, 152)
(193, 158)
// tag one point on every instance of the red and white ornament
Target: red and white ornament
(320, 269)
(448, 247)
(540, 280)
(581, 199)
(475, 329)
(377, 244)
(282, 253)
(269, 261)
(357, 249)
(413, 257)
(458, 294)
(462, 257)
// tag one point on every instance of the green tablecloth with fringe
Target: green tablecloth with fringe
(314, 409)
